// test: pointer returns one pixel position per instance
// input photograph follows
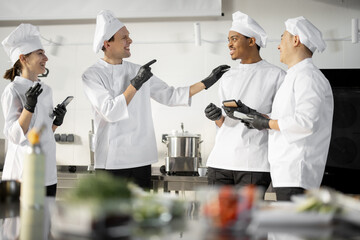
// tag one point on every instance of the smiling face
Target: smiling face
(239, 45)
(120, 47)
(35, 62)
(285, 47)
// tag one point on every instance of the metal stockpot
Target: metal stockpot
(182, 144)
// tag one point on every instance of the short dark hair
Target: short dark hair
(258, 47)
(110, 40)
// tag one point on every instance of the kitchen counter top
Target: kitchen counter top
(159, 180)
(38, 224)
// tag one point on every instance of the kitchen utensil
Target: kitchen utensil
(9, 191)
(183, 151)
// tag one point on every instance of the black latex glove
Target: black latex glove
(143, 75)
(259, 122)
(213, 112)
(241, 108)
(247, 124)
(215, 75)
(31, 96)
(59, 113)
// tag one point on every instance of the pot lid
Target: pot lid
(182, 134)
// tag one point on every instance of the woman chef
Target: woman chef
(27, 103)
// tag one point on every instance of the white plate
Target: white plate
(284, 214)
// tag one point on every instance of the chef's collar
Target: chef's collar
(26, 81)
(299, 65)
(250, 65)
(106, 64)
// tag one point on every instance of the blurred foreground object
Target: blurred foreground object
(9, 191)
(33, 177)
(227, 207)
(154, 210)
(327, 200)
(317, 208)
(99, 206)
(103, 206)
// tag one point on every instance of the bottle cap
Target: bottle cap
(33, 137)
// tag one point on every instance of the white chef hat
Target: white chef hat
(23, 40)
(248, 27)
(309, 35)
(106, 26)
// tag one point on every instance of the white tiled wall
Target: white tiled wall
(180, 62)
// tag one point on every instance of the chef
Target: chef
(302, 114)
(239, 156)
(120, 93)
(27, 103)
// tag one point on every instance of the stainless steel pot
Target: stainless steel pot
(182, 144)
(183, 152)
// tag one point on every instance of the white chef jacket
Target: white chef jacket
(303, 107)
(237, 147)
(125, 136)
(13, 101)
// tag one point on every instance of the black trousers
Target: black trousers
(218, 177)
(285, 193)
(139, 175)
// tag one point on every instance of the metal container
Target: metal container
(182, 145)
(182, 165)
(183, 152)
(9, 191)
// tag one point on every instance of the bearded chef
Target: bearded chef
(120, 93)
(302, 113)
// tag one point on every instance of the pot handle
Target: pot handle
(198, 144)
(163, 138)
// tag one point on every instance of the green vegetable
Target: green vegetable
(100, 187)
(312, 204)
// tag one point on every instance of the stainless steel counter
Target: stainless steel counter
(177, 183)
(68, 180)
(43, 224)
